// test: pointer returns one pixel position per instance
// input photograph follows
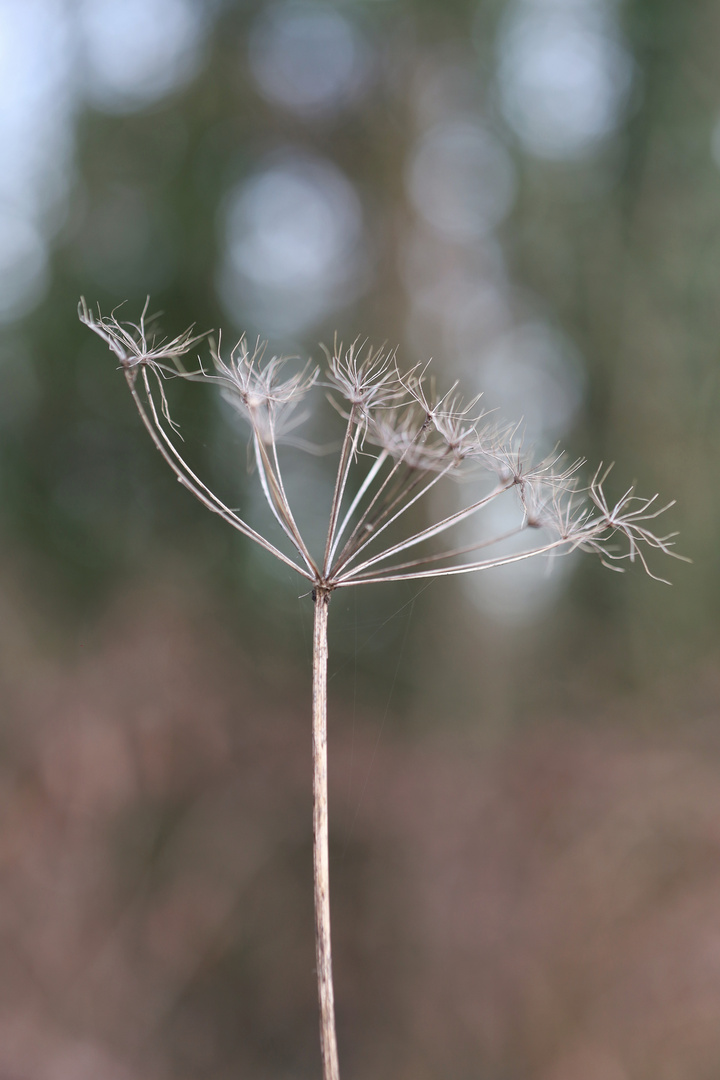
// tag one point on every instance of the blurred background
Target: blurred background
(525, 769)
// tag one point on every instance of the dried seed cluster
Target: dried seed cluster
(401, 439)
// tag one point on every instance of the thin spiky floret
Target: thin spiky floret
(404, 434)
(583, 519)
(546, 493)
(138, 348)
(454, 418)
(266, 393)
(425, 436)
(627, 520)
(459, 430)
(422, 389)
(364, 375)
(134, 344)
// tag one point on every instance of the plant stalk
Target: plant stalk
(323, 954)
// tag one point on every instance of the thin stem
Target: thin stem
(406, 502)
(427, 534)
(357, 531)
(376, 466)
(440, 555)
(323, 955)
(346, 455)
(276, 500)
(286, 503)
(362, 537)
(466, 568)
(189, 480)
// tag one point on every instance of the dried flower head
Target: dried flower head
(266, 393)
(130, 342)
(401, 439)
(366, 377)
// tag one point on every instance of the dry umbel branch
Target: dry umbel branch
(401, 440)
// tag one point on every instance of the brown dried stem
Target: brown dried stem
(321, 862)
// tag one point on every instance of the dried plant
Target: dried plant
(401, 440)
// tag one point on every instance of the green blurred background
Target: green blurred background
(525, 767)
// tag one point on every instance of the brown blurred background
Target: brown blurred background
(525, 769)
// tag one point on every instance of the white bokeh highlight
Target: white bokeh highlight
(36, 112)
(136, 52)
(54, 57)
(23, 265)
(308, 58)
(533, 372)
(292, 235)
(564, 75)
(461, 179)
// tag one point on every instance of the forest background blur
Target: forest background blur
(524, 767)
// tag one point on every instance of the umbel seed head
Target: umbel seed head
(401, 439)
